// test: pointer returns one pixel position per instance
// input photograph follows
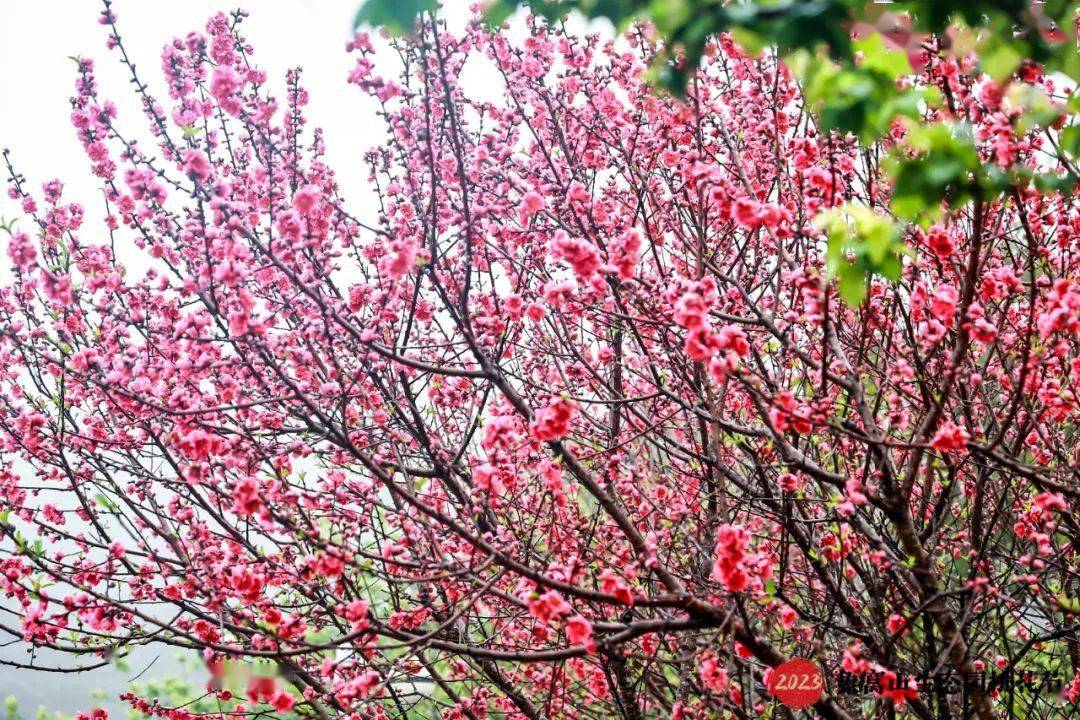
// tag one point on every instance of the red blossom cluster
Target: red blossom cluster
(574, 425)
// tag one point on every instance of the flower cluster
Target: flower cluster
(572, 424)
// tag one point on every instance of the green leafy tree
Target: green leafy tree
(1006, 31)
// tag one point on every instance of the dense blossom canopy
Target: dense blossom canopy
(577, 426)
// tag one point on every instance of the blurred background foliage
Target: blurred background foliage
(851, 57)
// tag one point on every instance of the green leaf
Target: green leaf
(397, 16)
(1000, 63)
(946, 168)
(499, 12)
(1070, 140)
(861, 243)
(852, 286)
(749, 40)
(890, 266)
(1069, 604)
(671, 15)
(1038, 109)
(1052, 183)
(862, 100)
(878, 58)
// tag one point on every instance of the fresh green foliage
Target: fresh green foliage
(862, 99)
(852, 85)
(1007, 29)
(937, 167)
(12, 712)
(937, 163)
(395, 15)
(862, 242)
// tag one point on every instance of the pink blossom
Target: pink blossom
(786, 414)
(579, 631)
(701, 343)
(626, 252)
(1062, 313)
(549, 606)
(402, 261)
(553, 421)
(486, 478)
(197, 166)
(729, 567)
(732, 338)
(223, 84)
(239, 322)
(22, 251)
(261, 688)
(788, 482)
(532, 203)
(691, 310)
(612, 584)
(713, 674)
(577, 333)
(57, 287)
(230, 273)
(940, 242)
(247, 498)
(745, 212)
(198, 444)
(950, 438)
(282, 701)
(1051, 501)
(580, 254)
(943, 304)
(500, 433)
(306, 199)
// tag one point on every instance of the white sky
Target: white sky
(37, 37)
(36, 82)
(37, 77)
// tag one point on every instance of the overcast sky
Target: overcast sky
(37, 75)
(38, 39)
(36, 81)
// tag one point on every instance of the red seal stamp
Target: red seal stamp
(797, 683)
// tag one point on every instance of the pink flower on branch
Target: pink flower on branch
(574, 400)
